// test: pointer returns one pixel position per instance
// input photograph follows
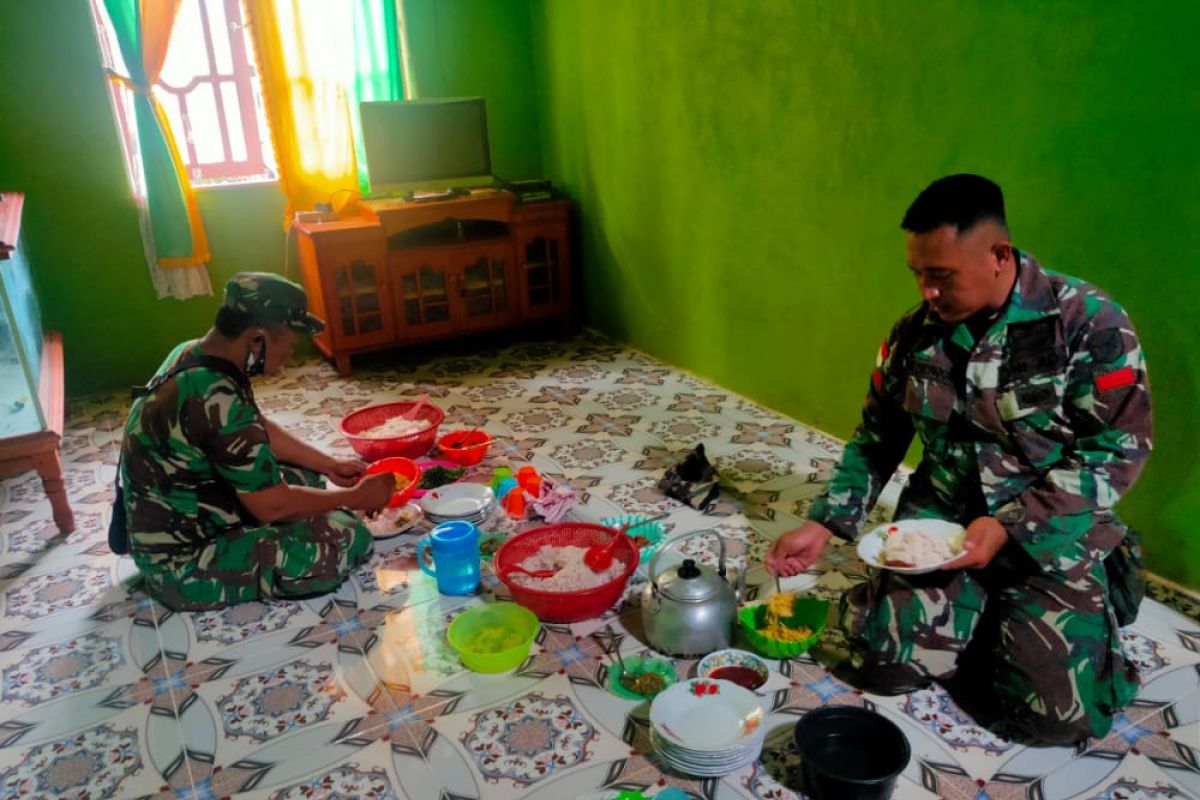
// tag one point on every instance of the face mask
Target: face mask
(256, 366)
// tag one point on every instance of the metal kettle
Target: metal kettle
(690, 609)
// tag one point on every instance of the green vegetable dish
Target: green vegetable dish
(436, 476)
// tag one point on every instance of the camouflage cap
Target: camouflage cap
(271, 299)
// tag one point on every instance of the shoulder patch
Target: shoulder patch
(1106, 345)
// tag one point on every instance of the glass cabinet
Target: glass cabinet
(20, 349)
(31, 372)
(399, 273)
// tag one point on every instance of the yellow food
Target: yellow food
(402, 482)
(645, 683)
(779, 608)
(493, 640)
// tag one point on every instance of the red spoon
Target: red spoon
(533, 573)
(416, 409)
(599, 557)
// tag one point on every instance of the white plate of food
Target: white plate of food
(393, 521)
(457, 501)
(912, 546)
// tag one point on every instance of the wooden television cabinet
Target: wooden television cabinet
(401, 272)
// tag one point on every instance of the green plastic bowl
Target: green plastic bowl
(653, 532)
(492, 542)
(638, 665)
(807, 612)
(494, 637)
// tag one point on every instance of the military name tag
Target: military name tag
(930, 371)
(1038, 394)
(1021, 401)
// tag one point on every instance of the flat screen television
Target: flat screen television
(428, 144)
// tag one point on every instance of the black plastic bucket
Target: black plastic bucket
(850, 753)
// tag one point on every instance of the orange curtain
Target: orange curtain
(298, 44)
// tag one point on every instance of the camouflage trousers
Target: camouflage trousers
(297, 558)
(1031, 655)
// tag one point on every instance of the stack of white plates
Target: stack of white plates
(470, 502)
(707, 728)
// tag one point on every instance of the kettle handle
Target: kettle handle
(653, 573)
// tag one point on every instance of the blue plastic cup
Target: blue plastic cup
(455, 551)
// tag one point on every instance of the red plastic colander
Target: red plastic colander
(413, 445)
(565, 606)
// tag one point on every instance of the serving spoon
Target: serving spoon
(461, 443)
(533, 573)
(599, 557)
(416, 409)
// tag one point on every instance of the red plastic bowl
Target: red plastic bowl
(398, 465)
(414, 445)
(565, 606)
(465, 448)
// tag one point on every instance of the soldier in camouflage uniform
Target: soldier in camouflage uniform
(222, 505)
(1028, 392)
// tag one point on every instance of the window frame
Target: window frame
(259, 165)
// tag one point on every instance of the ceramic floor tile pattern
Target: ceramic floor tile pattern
(356, 694)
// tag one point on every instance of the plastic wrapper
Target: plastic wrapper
(692, 481)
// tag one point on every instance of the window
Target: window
(209, 91)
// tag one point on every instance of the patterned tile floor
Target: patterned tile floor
(355, 695)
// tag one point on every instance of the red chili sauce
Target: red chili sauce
(742, 676)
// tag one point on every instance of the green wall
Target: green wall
(742, 168)
(59, 145)
(464, 48)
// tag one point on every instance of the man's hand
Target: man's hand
(985, 536)
(373, 492)
(797, 550)
(346, 472)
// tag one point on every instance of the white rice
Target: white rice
(394, 427)
(573, 574)
(917, 548)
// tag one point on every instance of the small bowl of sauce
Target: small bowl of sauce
(736, 666)
(643, 677)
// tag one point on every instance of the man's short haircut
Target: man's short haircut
(962, 200)
(231, 323)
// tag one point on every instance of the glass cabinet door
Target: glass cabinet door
(358, 310)
(421, 285)
(545, 289)
(485, 289)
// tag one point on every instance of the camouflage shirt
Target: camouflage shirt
(190, 446)
(1047, 427)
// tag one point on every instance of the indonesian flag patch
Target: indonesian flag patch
(1116, 379)
(877, 373)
